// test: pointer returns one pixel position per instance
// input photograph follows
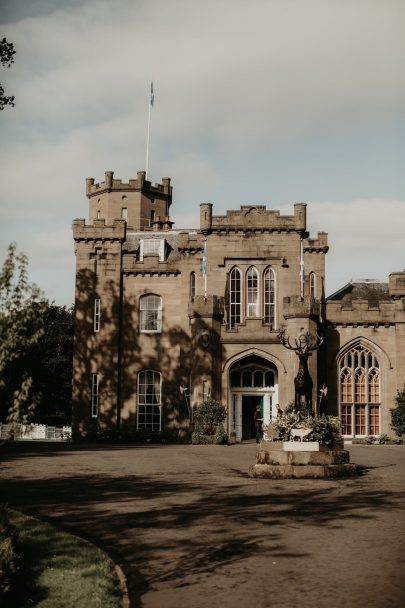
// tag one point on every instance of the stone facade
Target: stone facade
(155, 335)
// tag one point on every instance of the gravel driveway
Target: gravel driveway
(191, 529)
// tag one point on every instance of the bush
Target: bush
(220, 435)
(208, 418)
(287, 421)
(9, 559)
(370, 439)
(383, 438)
(398, 414)
(325, 429)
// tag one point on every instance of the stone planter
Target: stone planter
(276, 461)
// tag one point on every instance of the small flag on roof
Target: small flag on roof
(152, 94)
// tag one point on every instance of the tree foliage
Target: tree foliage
(21, 309)
(398, 414)
(7, 53)
(51, 366)
(36, 349)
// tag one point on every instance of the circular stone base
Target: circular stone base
(289, 471)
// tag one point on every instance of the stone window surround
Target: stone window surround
(262, 283)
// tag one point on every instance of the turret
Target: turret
(137, 201)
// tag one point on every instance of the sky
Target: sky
(256, 102)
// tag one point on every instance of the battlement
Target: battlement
(99, 230)
(140, 184)
(297, 307)
(361, 312)
(253, 216)
(320, 244)
(396, 285)
(211, 306)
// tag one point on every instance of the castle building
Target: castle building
(166, 318)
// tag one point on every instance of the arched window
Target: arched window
(192, 285)
(360, 392)
(346, 386)
(252, 292)
(374, 385)
(149, 400)
(269, 297)
(150, 313)
(312, 285)
(235, 297)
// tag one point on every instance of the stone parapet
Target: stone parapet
(209, 307)
(254, 216)
(139, 184)
(359, 312)
(306, 307)
(99, 230)
(396, 285)
(318, 245)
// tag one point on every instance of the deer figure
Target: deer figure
(302, 381)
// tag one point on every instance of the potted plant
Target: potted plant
(232, 437)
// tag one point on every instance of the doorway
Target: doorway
(249, 403)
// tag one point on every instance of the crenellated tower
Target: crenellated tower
(142, 205)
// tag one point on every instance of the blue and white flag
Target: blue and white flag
(152, 94)
(204, 259)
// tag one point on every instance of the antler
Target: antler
(285, 341)
(303, 344)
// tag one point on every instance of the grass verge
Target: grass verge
(60, 570)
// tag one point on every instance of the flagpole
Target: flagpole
(204, 268)
(151, 101)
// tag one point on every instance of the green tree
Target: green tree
(7, 53)
(51, 366)
(398, 414)
(22, 307)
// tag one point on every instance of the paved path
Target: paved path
(192, 530)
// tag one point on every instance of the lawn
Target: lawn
(60, 570)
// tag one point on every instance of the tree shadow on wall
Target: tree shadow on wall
(118, 352)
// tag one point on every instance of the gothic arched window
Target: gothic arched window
(235, 297)
(360, 392)
(269, 297)
(252, 292)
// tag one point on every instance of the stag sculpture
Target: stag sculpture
(302, 381)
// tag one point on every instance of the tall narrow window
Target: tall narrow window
(149, 400)
(150, 313)
(192, 285)
(124, 213)
(360, 392)
(235, 297)
(94, 395)
(269, 294)
(346, 388)
(312, 285)
(252, 292)
(97, 315)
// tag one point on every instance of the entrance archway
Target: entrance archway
(253, 381)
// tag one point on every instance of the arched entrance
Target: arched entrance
(252, 381)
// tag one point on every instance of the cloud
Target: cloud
(266, 98)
